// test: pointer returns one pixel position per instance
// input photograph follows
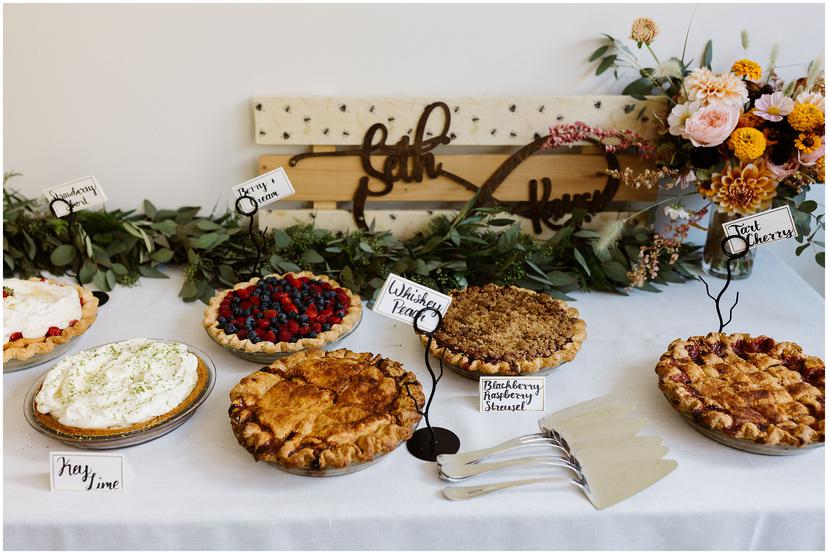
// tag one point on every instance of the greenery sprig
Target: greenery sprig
(477, 246)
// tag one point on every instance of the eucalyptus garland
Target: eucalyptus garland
(477, 246)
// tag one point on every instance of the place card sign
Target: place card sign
(71, 471)
(762, 228)
(82, 194)
(401, 299)
(266, 188)
(512, 394)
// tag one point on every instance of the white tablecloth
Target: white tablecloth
(197, 488)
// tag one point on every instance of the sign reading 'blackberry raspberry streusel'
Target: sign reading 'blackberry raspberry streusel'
(403, 299)
(82, 194)
(71, 471)
(267, 188)
(512, 394)
(762, 228)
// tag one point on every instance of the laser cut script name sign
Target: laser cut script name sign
(412, 160)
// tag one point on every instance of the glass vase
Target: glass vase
(714, 260)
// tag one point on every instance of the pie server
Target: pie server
(551, 437)
(604, 484)
(596, 405)
(635, 448)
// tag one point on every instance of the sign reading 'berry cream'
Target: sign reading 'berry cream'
(512, 394)
(87, 472)
(82, 194)
(266, 188)
(403, 299)
(762, 228)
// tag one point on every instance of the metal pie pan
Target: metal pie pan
(131, 438)
(264, 358)
(748, 445)
(334, 472)
(59, 350)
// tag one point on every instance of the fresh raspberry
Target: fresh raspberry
(242, 333)
(316, 327)
(334, 320)
(292, 325)
(72, 323)
(311, 311)
(304, 330)
(270, 336)
(269, 314)
(263, 323)
(244, 294)
(53, 332)
(260, 333)
(16, 336)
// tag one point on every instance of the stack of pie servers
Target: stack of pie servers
(593, 445)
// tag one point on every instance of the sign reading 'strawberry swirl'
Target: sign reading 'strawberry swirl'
(81, 193)
(401, 299)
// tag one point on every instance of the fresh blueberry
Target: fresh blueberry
(312, 335)
(326, 326)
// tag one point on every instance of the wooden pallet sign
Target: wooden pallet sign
(365, 155)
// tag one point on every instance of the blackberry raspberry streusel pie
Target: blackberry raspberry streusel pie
(751, 388)
(319, 410)
(41, 314)
(494, 330)
(282, 313)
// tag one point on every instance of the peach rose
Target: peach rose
(712, 124)
(782, 172)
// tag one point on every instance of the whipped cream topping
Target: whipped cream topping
(34, 306)
(118, 384)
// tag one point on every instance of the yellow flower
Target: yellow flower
(820, 169)
(743, 189)
(748, 69)
(805, 117)
(644, 30)
(807, 142)
(747, 143)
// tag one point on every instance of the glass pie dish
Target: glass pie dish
(58, 351)
(130, 438)
(335, 471)
(476, 375)
(265, 358)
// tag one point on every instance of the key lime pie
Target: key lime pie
(41, 314)
(119, 388)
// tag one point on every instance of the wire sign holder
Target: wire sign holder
(429, 442)
(258, 242)
(102, 296)
(732, 255)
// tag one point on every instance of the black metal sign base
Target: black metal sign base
(421, 445)
(102, 297)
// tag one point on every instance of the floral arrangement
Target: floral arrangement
(745, 139)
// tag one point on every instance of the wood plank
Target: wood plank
(481, 120)
(335, 179)
(401, 223)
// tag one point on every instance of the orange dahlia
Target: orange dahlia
(741, 189)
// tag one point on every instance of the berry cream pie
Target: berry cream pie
(324, 410)
(119, 388)
(494, 330)
(282, 313)
(40, 314)
(751, 388)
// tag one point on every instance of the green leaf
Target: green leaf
(605, 64)
(228, 275)
(281, 238)
(111, 279)
(167, 226)
(561, 279)
(63, 255)
(206, 241)
(162, 255)
(149, 209)
(119, 269)
(87, 271)
(312, 257)
(207, 225)
(801, 248)
(100, 280)
(454, 236)
(149, 271)
(808, 206)
(365, 247)
(616, 271)
(581, 260)
(289, 267)
(189, 291)
(641, 86)
(599, 52)
(707, 56)
(820, 258)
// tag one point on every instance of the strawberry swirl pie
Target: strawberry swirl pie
(41, 314)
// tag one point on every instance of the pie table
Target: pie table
(196, 488)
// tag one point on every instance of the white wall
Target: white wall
(154, 99)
